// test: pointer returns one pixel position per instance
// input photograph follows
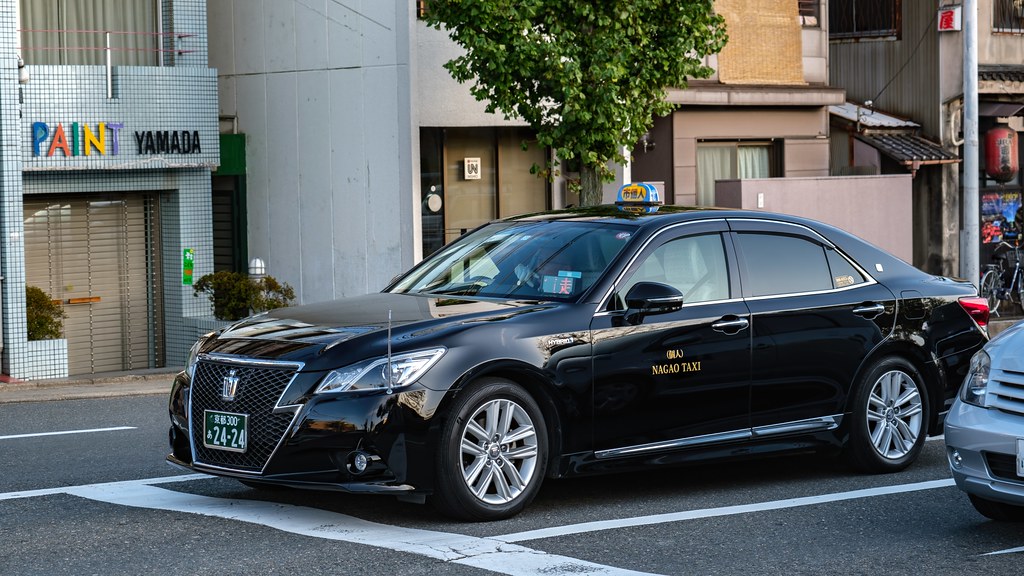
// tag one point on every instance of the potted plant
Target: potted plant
(236, 295)
(44, 317)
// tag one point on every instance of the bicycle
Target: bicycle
(994, 286)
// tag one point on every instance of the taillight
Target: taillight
(977, 308)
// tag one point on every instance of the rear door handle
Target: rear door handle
(869, 311)
(731, 326)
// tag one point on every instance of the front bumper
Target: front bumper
(317, 448)
(981, 447)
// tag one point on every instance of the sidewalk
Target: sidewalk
(106, 385)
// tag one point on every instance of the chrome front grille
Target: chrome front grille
(260, 386)
(1006, 391)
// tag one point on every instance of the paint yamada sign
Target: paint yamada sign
(107, 139)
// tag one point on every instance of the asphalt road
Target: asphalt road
(101, 500)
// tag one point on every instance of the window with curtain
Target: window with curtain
(730, 161)
(1008, 16)
(72, 31)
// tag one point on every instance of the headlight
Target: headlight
(193, 355)
(976, 383)
(373, 374)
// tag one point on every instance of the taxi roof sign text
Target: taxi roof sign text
(639, 193)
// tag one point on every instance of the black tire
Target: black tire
(889, 417)
(989, 289)
(998, 511)
(482, 478)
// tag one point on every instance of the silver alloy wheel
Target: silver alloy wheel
(894, 414)
(499, 451)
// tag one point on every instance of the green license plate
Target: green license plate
(226, 431)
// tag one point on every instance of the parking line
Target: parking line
(484, 553)
(556, 531)
(114, 429)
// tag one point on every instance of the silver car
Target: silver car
(985, 428)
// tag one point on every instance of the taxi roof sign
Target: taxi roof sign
(638, 193)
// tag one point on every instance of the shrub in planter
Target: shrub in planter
(235, 295)
(44, 318)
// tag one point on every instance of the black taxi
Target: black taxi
(582, 341)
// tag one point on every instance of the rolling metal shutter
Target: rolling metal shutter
(96, 254)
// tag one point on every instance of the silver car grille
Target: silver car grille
(1006, 391)
(260, 387)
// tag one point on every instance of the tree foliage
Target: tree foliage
(588, 76)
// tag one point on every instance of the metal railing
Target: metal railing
(1008, 16)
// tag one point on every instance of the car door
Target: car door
(815, 316)
(680, 378)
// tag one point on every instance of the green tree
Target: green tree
(588, 76)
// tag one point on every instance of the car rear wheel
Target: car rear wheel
(998, 511)
(889, 417)
(493, 453)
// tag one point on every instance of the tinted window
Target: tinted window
(536, 260)
(778, 264)
(843, 273)
(694, 265)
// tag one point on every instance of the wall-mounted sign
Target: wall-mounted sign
(472, 169)
(80, 139)
(949, 19)
(187, 262)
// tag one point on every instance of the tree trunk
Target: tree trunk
(591, 193)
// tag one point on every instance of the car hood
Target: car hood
(301, 333)
(1007, 349)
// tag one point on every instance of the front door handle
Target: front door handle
(730, 326)
(869, 311)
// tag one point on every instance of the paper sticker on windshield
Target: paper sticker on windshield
(622, 235)
(560, 285)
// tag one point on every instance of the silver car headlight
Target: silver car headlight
(405, 369)
(976, 383)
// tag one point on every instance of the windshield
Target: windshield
(550, 260)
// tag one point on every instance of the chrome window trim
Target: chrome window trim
(818, 424)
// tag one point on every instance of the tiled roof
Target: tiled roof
(909, 149)
(870, 118)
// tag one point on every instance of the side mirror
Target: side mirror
(652, 298)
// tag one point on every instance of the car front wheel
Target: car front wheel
(493, 453)
(889, 417)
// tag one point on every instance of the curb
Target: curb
(147, 382)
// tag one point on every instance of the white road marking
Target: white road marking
(556, 531)
(67, 489)
(1007, 551)
(484, 553)
(114, 429)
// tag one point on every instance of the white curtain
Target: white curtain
(714, 162)
(753, 162)
(72, 31)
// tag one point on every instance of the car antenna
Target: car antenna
(390, 383)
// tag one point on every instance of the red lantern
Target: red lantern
(1001, 154)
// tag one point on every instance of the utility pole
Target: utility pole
(970, 239)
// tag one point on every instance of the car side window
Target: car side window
(843, 272)
(694, 265)
(782, 264)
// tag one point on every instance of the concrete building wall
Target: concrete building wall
(322, 91)
(876, 208)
